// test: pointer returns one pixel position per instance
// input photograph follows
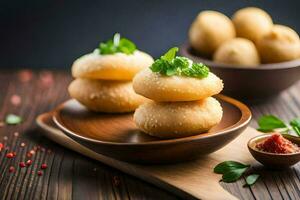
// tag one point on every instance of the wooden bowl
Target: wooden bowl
(250, 83)
(272, 160)
(116, 135)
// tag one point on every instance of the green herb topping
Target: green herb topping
(169, 65)
(232, 171)
(117, 44)
(270, 123)
(12, 119)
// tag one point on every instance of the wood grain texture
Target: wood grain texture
(72, 176)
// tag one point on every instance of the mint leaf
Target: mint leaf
(226, 166)
(170, 55)
(268, 123)
(12, 119)
(233, 175)
(169, 65)
(295, 123)
(117, 44)
(251, 179)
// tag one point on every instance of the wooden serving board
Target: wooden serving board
(194, 179)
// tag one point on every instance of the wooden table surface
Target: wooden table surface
(72, 176)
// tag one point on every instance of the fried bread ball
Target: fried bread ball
(175, 88)
(252, 23)
(209, 30)
(117, 66)
(178, 119)
(280, 44)
(238, 51)
(105, 96)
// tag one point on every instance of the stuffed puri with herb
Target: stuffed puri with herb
(103, 78)
(181, 92)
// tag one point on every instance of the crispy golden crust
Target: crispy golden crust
(178, 119)
(252, 23)
(106, 96)
(238, 51)
(280, 44)
(175, 88)
(118, 66)
(209, 30)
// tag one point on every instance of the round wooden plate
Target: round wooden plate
(117, 136)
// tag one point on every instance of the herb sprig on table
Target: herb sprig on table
(117, 44)
(270, 123)
(169, 65)
(232, 171)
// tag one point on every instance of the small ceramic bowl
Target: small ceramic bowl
(250, 83)
(272, 160)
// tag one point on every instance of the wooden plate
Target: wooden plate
(116, 135)
(250, 83)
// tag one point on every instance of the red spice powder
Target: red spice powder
(276, 143)
(11, 169)
(10, 155)
(44, 166)
(22, 164)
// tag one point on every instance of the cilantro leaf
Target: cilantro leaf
(251, 179)
(295, 123)
(117, 44)
(268, 123)
(12, 119)
(233, 175)
(226, 166)
(198, 70)
(169, 65)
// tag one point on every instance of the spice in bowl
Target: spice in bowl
(276, 143)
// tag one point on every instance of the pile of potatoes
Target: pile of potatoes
(248, 39)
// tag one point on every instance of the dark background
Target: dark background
(52, 33)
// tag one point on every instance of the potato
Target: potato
(280, 44)
(209, 30)
(252, 23)
(238, 51)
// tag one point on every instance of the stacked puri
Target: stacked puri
(182, 106)
(103, 82)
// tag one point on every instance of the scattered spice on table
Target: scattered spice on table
(22, 164)
(39, 173)
(1, 146)
(25, 75)
(44, 166)
(28, 162)
(11, 169)
(10, 155)
(15, 100)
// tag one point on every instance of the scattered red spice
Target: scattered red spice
(22, 164)
(28, 162)
(9, 155)
(1, 146)
(29, 155)
(11, 169)
(32, 152)
(25, 75)
(39, 173)
(15, 100)
(116, 181)
(44, 166)
(276, 143)
(46, 78)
